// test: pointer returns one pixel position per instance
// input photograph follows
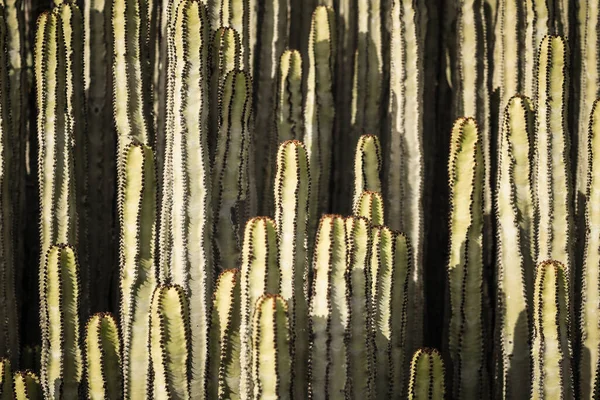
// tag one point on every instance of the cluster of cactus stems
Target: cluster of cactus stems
(240, 199)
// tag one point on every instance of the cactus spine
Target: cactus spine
(427, 376)
(241, 16)
(27, 386)
(169, 343)
(9, 344)
(329, 311)
(391, 263)
(405, 165)
(225, 369)
(551, 352)
(292, 194)
(359, 384)
(367, 166)
(271, 349)
(588, 323)
(62, 361)
(230, 173)
(515, 258)
(138, 275)
(552, 180)
(319, 110)
(289, 122)
(370, 206)
(103, 358)
(260, 274)
(6, 379)
(186, 253)
(465, 266)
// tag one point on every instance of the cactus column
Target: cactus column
(465, 265)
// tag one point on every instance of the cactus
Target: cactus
(225, 56)
(27, 386)
(58, 214)
(370, 206)
(588, 317)
(186, 252)
(169, 343)
(273, 39)
(465, 264)
(224, 369)
(359, 383)
(319, 110)
(552, 178)
(367, 167)
(391, 263)
(427, 375)
(6, 380)
(241, 16)
(368, 68)
(329, 311)
(404, 175)
(551, 345)
(230, 185)
(587, 17)
(288, 117)
(9, 344)
(271, 350)
(259, 274)
(138, 274)
(31, 358)
(62, 361)
(292, 194)
(103, 357)
(127, 28)
(515, 260)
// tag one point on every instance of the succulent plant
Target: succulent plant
(427, 374)
(27, 386)
(103, 358)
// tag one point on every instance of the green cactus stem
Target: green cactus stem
(225, 56)
(427, 376)
(359, 384)
(368, 69)
(551, 347)
(319, 109)
(588, 18)
(367, 166)
(103, 358)
(259, 275)
(138, 274)
(552, 179)
(62, 360)
(128, 67)
(9, 325)
(370, 206)
(186, 248)
(27, 386)
(292, 194)
(288, 117)
(329, 311)
(241, 16)
(31, 358)
(6, 379)
(404, 176)
(58, 214)
(230, 174)
(169, 343)
(225, 369)
(588, 317)
(271, 365)
(273, 41)
(465, 265)
(515, 260)
(391, 263)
